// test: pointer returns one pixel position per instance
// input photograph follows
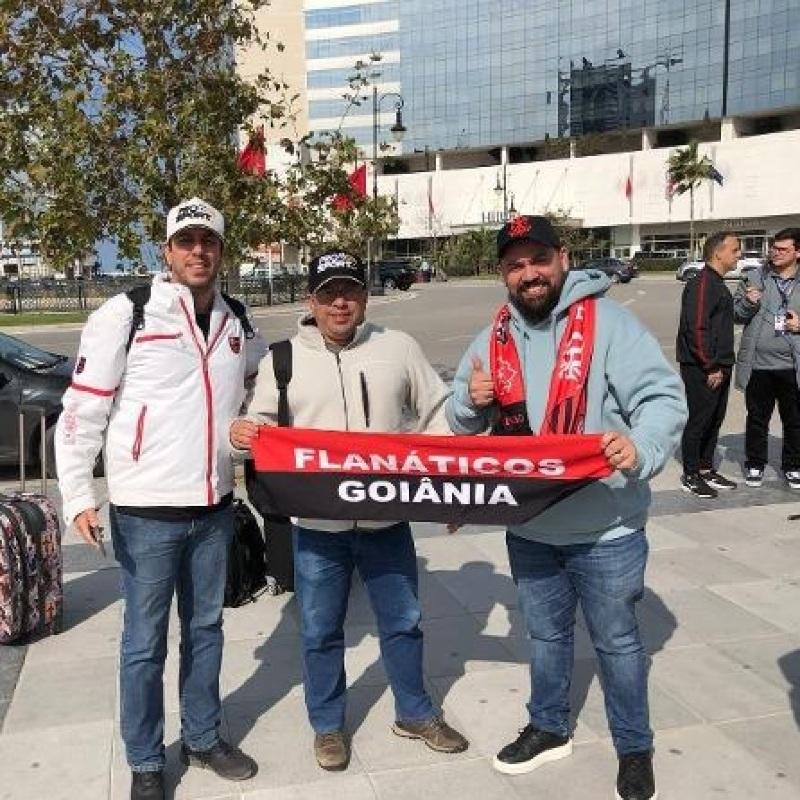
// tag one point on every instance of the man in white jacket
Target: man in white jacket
(159, 387)
(351, 375)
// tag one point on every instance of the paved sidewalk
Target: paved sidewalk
(721, 618)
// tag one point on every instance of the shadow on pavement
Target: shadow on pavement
(790, 667)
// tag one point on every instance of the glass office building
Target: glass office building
(481, 73)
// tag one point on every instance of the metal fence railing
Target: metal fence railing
(26, 296)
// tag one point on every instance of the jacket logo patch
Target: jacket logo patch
(79, 367)
(236, 343)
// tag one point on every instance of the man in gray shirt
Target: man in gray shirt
(768, 362)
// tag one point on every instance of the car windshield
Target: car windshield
(26, 356)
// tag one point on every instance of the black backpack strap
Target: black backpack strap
(140, 297)
(237, 306)
(282, 368)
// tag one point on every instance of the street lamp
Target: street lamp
(501, 188)
(398, 129)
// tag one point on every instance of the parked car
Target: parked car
(31, 379)
(396, 274)
(747, 263)
(618, 270)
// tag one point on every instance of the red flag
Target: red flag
(358, 180)
(358, 183)
(253, 159)
(628, 187)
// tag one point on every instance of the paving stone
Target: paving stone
(776, 600)
(351, 787)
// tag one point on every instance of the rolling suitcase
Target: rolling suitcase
(31, 569)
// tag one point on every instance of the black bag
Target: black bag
(277, 528)
(247, 562)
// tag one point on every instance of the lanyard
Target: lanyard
(781, 285)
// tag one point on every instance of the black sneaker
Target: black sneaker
(693, 483)
(147, 786)
(223, 759)
(754, 476)
(717, 481)
(531, 749)
(635, 779)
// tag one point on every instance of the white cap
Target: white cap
(195, 213)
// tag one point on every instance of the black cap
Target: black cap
(335, 265)
(524, 228)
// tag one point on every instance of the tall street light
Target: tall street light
(398, 129)
(501, 188)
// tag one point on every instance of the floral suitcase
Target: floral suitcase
(31, 569)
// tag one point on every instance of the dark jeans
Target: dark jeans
(608, 580)
(707, 409)
(387, 563)
(157, 560)
(764, 388)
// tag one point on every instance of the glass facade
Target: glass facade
(477, 73)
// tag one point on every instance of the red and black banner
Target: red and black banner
(400, 476)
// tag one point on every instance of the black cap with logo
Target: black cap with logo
(527, 228)
(335, 265)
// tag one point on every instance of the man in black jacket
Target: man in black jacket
(706, 355)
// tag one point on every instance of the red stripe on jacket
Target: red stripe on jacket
(698, 337)
(92, 390)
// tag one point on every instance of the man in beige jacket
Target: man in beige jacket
(351, 375)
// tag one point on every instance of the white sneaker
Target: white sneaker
(792, 478)
(754, 476)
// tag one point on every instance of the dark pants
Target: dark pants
(764, 388)
(706, 412)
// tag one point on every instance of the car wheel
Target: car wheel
(389, 284)
(690, 274)
(615, 278)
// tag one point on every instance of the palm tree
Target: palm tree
(686, 170)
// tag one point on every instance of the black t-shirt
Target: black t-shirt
(180, 513)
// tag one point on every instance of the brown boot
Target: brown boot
(436, 733)
(331, 750)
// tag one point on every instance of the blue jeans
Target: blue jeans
(608, 579)
(158, 559)
(387, 563)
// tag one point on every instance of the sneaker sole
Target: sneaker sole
(719, 487)
(753, 484)
(408, 735)
(190, 761)
(653, 796)
(701, 496)
(547, 757)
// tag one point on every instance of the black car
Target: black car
(396, 274)
(618, 270)
(32, 380)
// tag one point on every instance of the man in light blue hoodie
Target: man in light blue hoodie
(561, 358)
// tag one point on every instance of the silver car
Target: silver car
(747, 263)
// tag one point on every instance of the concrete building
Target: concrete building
(499, 101)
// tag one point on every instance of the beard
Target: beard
(536, 310)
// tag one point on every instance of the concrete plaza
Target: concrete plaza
(721, 618)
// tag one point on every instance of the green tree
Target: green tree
(113, 110)
(686, 170)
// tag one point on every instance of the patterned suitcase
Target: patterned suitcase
(31, 570)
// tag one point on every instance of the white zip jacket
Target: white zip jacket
(380, 382)
(163, 412)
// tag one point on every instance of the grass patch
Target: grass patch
(42, 318)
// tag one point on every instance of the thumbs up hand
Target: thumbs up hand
(481, 385)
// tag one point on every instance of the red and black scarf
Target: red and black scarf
(566, 401)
